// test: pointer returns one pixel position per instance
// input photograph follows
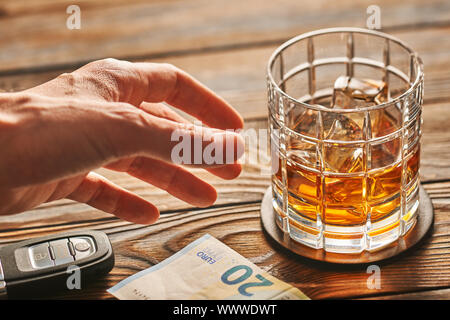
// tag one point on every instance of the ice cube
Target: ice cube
(343, 159)
(345, 127)
(306, 123)
(352, 93)
(338, 158)
(303, 152)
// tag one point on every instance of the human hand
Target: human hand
(109, 114)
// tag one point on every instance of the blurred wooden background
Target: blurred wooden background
(226, 45)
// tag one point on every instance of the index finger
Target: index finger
(189, 95)
(155, 82)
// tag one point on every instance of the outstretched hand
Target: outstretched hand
(109, 114)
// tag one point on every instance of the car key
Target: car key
(40, 266)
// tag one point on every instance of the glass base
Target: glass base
(346, 239)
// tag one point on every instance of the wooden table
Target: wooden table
(226, 44)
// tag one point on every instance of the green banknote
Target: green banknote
(205, 269)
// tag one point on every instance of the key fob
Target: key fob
(46, 265)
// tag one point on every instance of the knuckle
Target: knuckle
(112, 66)
(112, 78)
(124, 111)
(136, 165)
(126, 115)
(172, 179)
(69, 83)
(67, 77)
(170, 67)
(171, 115)
(22, 98)
(125, 127)
(104, 63)
(13, 100)
(110, 60)
(97, 193)
(173, 72)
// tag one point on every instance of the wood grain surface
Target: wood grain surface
(226, 45)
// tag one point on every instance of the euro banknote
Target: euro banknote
(205, 269)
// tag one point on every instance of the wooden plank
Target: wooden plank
(37, 35)
(23, 7)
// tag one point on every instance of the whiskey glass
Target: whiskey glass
(345, 116)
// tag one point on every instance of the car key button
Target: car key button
(84, 247)
(40, 256)
(60, 251)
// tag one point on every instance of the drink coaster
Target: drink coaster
(414, 235)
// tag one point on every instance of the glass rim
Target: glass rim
(318, 107)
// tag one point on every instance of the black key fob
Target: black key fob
(47, 265)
